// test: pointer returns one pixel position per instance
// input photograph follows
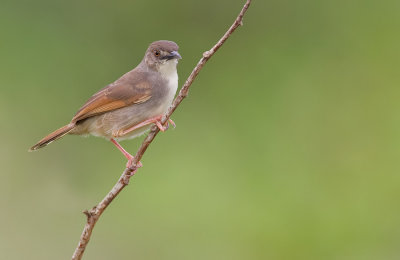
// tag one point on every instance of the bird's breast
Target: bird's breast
(170, 75)
(172, 86)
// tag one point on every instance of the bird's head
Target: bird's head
(162, 55)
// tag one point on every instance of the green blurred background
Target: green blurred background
(287, 146)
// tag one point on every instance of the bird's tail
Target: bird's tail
(53, 136)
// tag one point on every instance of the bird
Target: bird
(129, 106)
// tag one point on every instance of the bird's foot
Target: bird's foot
(172, 122)
(129, 165)
(156, 120)
(164, 127)
(127, 156)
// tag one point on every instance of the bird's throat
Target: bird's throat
(169, 73)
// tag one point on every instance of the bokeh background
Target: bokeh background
(286, 148)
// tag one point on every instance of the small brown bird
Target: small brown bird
(128, 107)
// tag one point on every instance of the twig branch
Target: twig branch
(94, 214)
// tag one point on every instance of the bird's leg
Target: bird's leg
(126, 154)
(156, 120)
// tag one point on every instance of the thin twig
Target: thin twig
(94, 214)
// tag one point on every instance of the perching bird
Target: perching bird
(129, 106)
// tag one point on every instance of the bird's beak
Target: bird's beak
(173, 55)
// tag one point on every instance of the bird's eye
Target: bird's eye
(156, 53)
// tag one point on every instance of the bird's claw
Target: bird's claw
(172, 122)
(161, 127)
(129, 165)
(165, 127)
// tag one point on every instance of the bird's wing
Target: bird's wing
(120, 94)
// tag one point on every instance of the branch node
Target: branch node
(207, 54)
(87, 213)
(131, 169)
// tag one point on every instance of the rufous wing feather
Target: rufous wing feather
(130, 89)
(113, 97)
